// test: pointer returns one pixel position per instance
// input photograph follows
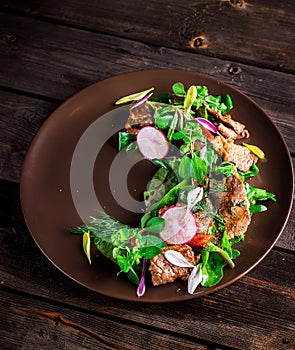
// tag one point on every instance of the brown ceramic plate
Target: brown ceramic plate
(48, 198)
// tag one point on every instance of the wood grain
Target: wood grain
(40, 324)
(55, 65)
(240, 30)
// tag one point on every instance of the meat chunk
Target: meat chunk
(139, 117)
(234, 207)
(162, 271)
(237, 154)
(227, 132)
(227, 119)
(203, 220)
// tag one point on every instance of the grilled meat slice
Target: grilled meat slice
(237, 154)
(162, 271)
(203, 221)
(234, 207)
(227, 119)
(139, 117)
(227, 132)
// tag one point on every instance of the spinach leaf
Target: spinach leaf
(212, 268)
(125, 139)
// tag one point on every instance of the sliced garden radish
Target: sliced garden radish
(152, 143)
(180, 226)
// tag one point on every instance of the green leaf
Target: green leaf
(163, 180)
(131, 147)
(186, 167)
(150, 252)
(125, 139)
(178, 89)
(200, 169)
(253, 171)
(123, 263)
(133, 97)
(212, 268)
(257, 194)
(213, 248)
(172, 126)
(161, 164)
(170, 198)
(202, 92)
(164, 121)
(162, 98)
(155, 225)
(227, 101)
(133, 277)
(257, 208)
(237, 239)
(225, 244)
(86, 245)
(179, 135)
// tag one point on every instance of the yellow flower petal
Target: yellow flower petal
(86, 245)
(190, 98)
(134, 97)
(256, 150)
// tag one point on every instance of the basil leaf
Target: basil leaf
(155, 225)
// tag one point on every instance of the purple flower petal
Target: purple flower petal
(202, 152)
(141, 101)
(208, 125)
(141, 286)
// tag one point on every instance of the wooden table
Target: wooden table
(50, 50)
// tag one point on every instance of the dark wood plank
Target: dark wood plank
(42, 325)
(256, 312)
(20, 119)
(232, 29)
(55, 61)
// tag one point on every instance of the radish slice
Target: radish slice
(180, 226)
(152, 143)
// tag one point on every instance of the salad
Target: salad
(198, 203)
